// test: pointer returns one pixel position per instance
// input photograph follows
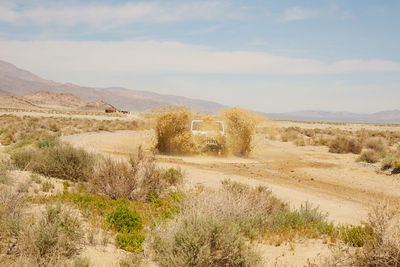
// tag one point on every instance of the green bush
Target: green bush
(173, 176)
(47, 142)
(125, 220)
(130, 241)
(356, 236)
(22, 157)
(82, 262)
(307, 214)
(6, 141)
(60, 161)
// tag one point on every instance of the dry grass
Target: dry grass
(173, 131)
(14, 128)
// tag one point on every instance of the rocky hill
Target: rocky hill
(21, 82)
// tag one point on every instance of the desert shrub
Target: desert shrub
(11, 215)
(124, 220)
(128, 223)
(240, 129)
(115, 179)
(5, 167)
(377, 144)
(307, 214)
(130, 241)
(344, 145)
(388, 162)
(49, 141)
(173, 131)
(47, 186)
(57, 235)
(381, 246)
(135, 180)
(201, 240)
(6, 141)
(249, 207)
(356, 236)
(64, 162)
(133, 260)
(82, 262)
(299, 141)
(289, 134)
(22, 157)
(61, 161)
(309, 132)
(369, 156)
(173, 175)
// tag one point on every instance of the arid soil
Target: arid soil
(337, 183)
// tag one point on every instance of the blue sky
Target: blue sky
(270, 56)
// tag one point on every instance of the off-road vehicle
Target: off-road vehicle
(210, 136)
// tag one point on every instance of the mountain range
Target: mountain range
(20, 82)
(20, 87)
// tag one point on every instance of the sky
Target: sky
(270, 56)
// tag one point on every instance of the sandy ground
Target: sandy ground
(342, 126)
(343, 188)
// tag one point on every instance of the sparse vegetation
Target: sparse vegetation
(221, 221)
(15, 128)
(343, 145)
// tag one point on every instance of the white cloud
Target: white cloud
(299, 13)
(116, 15)
(169, 57)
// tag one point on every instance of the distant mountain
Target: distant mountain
(390, 116)
(21, 82)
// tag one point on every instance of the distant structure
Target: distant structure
(109, 110)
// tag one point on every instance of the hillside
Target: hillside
(21, 82)
(45, 99)
(12, 101)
